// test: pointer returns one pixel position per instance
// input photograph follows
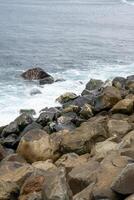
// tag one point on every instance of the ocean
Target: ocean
(71, 39)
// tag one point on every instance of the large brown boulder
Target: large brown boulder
(125, 106)
(82, 138)
(107, 98)
(119, 128)
(12, 176)
(124, 182)
(55, 186)
(36, 145)
(110, 168)
(71, 160)
(82, 175)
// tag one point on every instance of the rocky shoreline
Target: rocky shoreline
(81, 150)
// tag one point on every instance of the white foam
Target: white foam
(15, 98)
(128, 2)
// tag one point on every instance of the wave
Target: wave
(128, 2)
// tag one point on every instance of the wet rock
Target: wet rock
(11, 128)
(60, 80)
(119, 82)
(56, 187)
(125, 106)
(124, 182)
(66, 97)
(83, 175)
(107, 98)
(48, 115)
(118, 128)
(35, 74)
(24, 120)
(110, 168)
(28, 111)
(47, 80)
(71, 160)
(93, 84)
(35, 91)
(11, 141)
(86, 111)
(82, 138)
(36, 145)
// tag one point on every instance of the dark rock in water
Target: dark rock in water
(48, 115)
(35, 74)
(93, 84)
(11, 128)
(47, 80)
(23, 120)
(119, 82)
(35, 92)
(28, 111)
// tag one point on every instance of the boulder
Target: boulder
(118, 128)
(125, 106)
(24, 120)
(124, 182)
(44, 165)
(14, 157)
(86, 111)
(35, 74)
(85, 194)
(3, 152)
(36, 145)
(71, 108)
(8, 191)
(47, 80)
(93, 84)
(101, 149)
(11, 128)
(119, 82)
(31, 196)
(82, 175)
(55, 186)
(107, 98)
(110, 168)
(66, 97)
(48, 115)
(131, 197)
(71, 160)
(12, 176)
(130, 83)
(28, 111)
(11, 141)
(82, 138)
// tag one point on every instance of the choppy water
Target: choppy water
(71, 39)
